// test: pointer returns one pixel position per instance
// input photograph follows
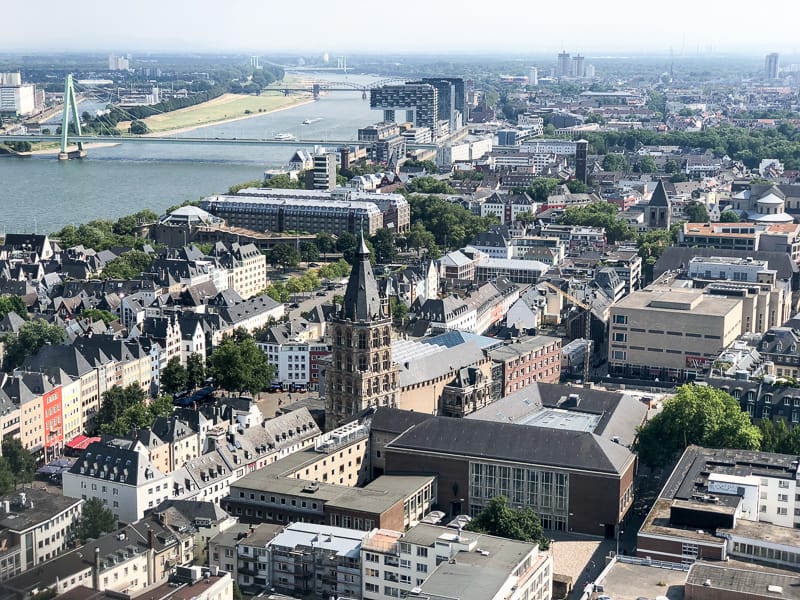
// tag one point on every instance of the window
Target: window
(619, 355)
(371, 557)
(782, 511)
(422, 568)
(620, 336)
(422, 552)
(620, 320)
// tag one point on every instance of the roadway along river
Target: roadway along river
(43, 194)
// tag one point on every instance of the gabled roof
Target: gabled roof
(361, 297)
(659, 197)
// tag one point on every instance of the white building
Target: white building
(125, 480)
(16, 98)
(438, 562)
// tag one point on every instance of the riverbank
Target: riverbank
(53, 148)
(223, 109)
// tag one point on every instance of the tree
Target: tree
(238, 364)
(346, 242)
(541, 188)
(195, 370)
(499, 519)
(161, 407)
(672, 166)
(12, 304)
(174, 377)
(128, 265)
(309, 252)
(114, 402)
(647, 164)
(615, 162)
(97, 314)
(728, 216)
(20, 461)
(777, 437)
(679, 178)
(696, 213)
(31, 337)
(599, 214)
(325, 243)
(576, 186)
(429, 185)
(96, 520)
(384, 244)
(7, 478)
(399, 309)
(237, 592)
(699, 415)
(139, 127)
(285, 255)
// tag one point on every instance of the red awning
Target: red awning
(81, 442)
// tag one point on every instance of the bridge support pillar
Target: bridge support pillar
(70, 108)
(315, 91)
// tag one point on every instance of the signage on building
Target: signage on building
(698, 362)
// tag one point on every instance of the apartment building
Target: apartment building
(246, 266)
(432, 561)
(520, 364)
(721, 503)
(670, 332)
(124, 479)
(35, 526)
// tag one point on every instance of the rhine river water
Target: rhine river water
(43, 194)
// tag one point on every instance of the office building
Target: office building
(17, 98)
(362, 373)
(720, 503)
(118, 63)
(276, 212)
(670, 333)
(324, 172)
(420, 101)
(452, 100)
(749, 237)
(533, 77)
(525, 363)
(378, 131)
(577, 66)
(564, 65)
(430, 561)
(771, 68)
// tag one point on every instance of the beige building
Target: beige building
(247, 268)
(670, 332)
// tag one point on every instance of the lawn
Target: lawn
(223, 108)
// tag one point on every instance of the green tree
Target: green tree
(139, 127)
(325, 243)
(114, 402)
(309, 252)
(174, 377)
(696, 213)
(499, 519)
(728, 216)
(285, 182)
(429, 185)
(12, 304)
(578, 187)
(599, 214)
(128, 265)
(615, 162)
(238, 364)
(699, 415)
(679, 178)
(384, 244)
(672, 166)
(195, 370)
(399, 309)
(161, 407)
(647, 164)
(285, 255)
(541, 188)
(31, 337)
(278, 292)
(97, 314)
(237, 592)
(96, 520)
(20, 461)
(7, 478)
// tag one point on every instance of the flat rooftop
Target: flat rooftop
(764, 532)
(40, 506)
(750, 580)
(679, 300)
(625, 581)
(558, 418)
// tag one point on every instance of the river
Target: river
(42, 194)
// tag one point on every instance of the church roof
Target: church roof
(659, 197)
(361, 298)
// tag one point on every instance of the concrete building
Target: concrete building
(16, 98)
(420, 101)
(771, 63)
(564, 66)
(738, 581)
(670, 332)
(721, 503)
(35, 527)
(439, 562)
(521, 364)
(324, 171)
(750, 237)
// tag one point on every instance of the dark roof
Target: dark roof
(659, 197)
(361, 298)
(515, 443)
(394, 420)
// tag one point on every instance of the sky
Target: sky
(684, 27)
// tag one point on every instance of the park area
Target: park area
(227, 107)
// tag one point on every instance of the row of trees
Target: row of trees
(281, 291)
(102, 234)
(451, 225)
(127, 266)
(123, 409)
(177, 378)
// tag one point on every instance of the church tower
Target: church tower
(659, 211)
(361, 373)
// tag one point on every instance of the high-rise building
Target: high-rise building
(324, 173)
(533, 77)
(452, 99)
(771, 65)
(118, 63)
(361, 373)
(577, 66)
(16, 98)
(564, 65)
(419, 100)
(581, 152)
(589, 72)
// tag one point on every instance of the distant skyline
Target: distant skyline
(684, 27)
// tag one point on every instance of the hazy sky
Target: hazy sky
(511, 26)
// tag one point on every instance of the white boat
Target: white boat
(286, 137)
(310, 121)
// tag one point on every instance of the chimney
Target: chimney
(151, 539)
(96, 570)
